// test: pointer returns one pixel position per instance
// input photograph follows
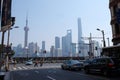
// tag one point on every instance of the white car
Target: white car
(29, 62)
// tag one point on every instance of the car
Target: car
(29, 62)
(72, 65)
(86, 62)
(103, 65)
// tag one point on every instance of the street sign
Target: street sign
(118, 15)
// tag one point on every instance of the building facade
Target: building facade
(57, 42)
(66, 44)
(114, 6)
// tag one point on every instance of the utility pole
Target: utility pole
(104, 44)
(108, 41)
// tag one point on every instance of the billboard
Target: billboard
(6, 15)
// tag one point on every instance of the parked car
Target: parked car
(104, 65)
(29, 62)
(72, 65)
(86, 62)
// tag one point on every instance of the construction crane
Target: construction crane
(90, 43)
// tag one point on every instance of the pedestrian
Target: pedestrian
(36, 63)
(41, 63)
(14, 62)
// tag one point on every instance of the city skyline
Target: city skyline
(52, 18)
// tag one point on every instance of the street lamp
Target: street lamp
(103, 36)
(7, 58)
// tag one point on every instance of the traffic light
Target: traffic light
(8, 49)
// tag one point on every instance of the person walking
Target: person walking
(41, 63)
(36, 63)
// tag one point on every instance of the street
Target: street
(51, 72)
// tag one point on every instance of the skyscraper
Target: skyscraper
(80, 41)
(57, 42)
(66, 43)
(79, 31)
(26, 29)
(43, 45)
(69, 41)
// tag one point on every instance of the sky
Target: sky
(50, 18)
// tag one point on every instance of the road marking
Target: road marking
(37, 71)
(50, 78)
(24, 67)
(14, 68)
(19, 68)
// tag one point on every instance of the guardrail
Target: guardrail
(47, 59)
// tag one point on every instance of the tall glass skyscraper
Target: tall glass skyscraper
(80, 40)
(43, 45)
(66, 43)
(79, 31)
(57, 42)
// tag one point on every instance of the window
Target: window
(114, 10)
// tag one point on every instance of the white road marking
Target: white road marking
(37, 71)
(14, 68)
(19, 68)
(24, 67)
(50, 78)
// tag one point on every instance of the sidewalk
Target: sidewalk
(7, 76)
(3, 74)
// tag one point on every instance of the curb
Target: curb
(7, 76)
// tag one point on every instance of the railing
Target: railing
(47, 59)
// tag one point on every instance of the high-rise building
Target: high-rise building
(79, 31)
(73, 49)
(26, 29)
(69, 40)
(32, 48)
(80, 40)
(66, 44)
(57, 42)
(52, 51)
(114, 51)
(43, 46)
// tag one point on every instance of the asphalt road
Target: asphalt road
(53, 73)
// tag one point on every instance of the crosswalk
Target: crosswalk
(24, 67)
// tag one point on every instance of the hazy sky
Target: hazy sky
(50, 18)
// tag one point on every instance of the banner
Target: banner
(6, 13)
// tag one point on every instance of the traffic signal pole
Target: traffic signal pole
(2, 48)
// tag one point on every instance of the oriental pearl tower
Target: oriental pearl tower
(26, 29)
